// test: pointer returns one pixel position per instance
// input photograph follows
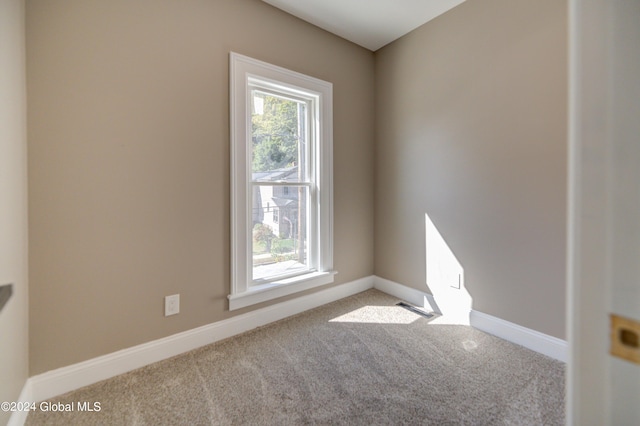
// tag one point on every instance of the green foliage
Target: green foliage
(274, 132)
(263, 234)
(282, 246)
(285, 257)
(259, 247)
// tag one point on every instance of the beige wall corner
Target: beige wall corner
(472, 131)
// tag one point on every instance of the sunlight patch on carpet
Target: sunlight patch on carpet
(378, 315)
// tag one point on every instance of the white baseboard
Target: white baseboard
(531, 339)
(408, 294)
(19, 417)
(65, 379)
(56, 382)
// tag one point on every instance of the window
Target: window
(281, 160)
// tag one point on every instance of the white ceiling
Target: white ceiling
(369, 23)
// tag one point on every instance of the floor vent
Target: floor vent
(415, 310)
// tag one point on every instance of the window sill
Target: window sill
(285, 287)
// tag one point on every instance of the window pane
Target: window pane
(280, 240)
(278, 133)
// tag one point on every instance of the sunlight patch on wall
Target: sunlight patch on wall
(445, 279)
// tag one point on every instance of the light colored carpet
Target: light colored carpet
(358, 361)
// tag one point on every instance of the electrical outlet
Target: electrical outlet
(171, 305)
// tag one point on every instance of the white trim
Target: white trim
(589, 214)
(65, 379)
(514, 333)
(531, 339)
(18, 418)
(244, 73)
(279, 289)
(408, 294)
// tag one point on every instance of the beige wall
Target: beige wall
(13, 202)
(129, 162)
(471, 130)
(129, 159)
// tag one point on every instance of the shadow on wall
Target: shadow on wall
(445, 279)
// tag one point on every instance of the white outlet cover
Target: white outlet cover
(171, 305)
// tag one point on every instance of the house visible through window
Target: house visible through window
(281, 127)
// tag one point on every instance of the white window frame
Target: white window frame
(242, 70)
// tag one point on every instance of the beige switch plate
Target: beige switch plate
(625, 336)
